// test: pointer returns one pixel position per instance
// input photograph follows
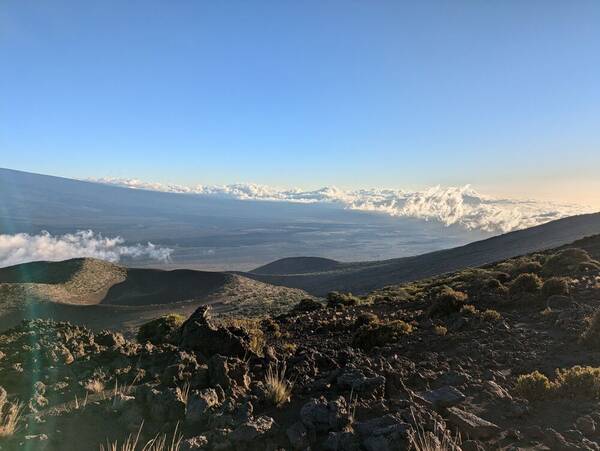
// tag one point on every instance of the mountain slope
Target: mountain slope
(214, 234)
(361, 277)
(298, 265)
(101, 294)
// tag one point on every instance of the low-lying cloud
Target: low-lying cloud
(23, 247)
(450, 205)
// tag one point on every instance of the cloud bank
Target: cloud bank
(22, 248)
(450, 205)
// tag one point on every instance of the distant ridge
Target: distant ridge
(297, 265)
(361, 277)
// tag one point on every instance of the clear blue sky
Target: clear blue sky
(504, 95)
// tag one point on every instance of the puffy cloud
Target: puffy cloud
(449, 205)
(22, 247)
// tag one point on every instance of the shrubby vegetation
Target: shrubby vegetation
(569, 262)
(572, 383)
(526, 283)
(336, 299)
(591, 336)
(447, 301)
(160, 330)
(380, 333)
(555, 286)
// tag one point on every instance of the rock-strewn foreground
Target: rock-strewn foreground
(435, 364)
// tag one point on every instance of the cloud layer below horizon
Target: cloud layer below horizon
(23, 247)
(450, 205)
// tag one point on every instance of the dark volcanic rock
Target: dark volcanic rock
(198, 334)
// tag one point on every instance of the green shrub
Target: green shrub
(365, 318)
(520, 265)
(578, 382)
(491, 315)
(555, 286)
(440, 330)
(528, 266)
(569, 262)
(380, 334)
(160, 330)
(448, 301)
(525, 283)
(307, 305)
(533, 386)
(270, 326)
(469, 309)
(336, 299)
(591, 335)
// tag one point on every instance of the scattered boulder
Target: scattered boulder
(200, 403)
(470, 425)
(250, 435)
(443, 397)
(355, 380)
(298, 436)
(321, 415)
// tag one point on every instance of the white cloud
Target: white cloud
(22, 247)
(449, 205)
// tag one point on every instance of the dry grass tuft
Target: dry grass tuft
(160, 442)
(440, 439)
(278, 388)
(94, 386)
(10, 414)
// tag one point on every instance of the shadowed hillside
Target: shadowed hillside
(298, 265)
(101, 294)
(361, 277)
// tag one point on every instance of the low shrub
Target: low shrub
(270, 326)
(469, 309)
(491, 315)
(440, 330)
(578, 382)
(555, 286)
(380, 334)
(520, 265)
(365, 318)
(336, 299)
(568, 262)
(160, 330)
(526, 283)
(307, 305)
(527, 266)
(533, 386)
(447, 301)
(591, 335)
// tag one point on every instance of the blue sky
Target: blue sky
(503, 95)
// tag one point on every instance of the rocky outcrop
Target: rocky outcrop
(200, 335)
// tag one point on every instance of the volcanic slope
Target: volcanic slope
(362, 277)
(100, 294)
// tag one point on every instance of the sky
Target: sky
(501, 95)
